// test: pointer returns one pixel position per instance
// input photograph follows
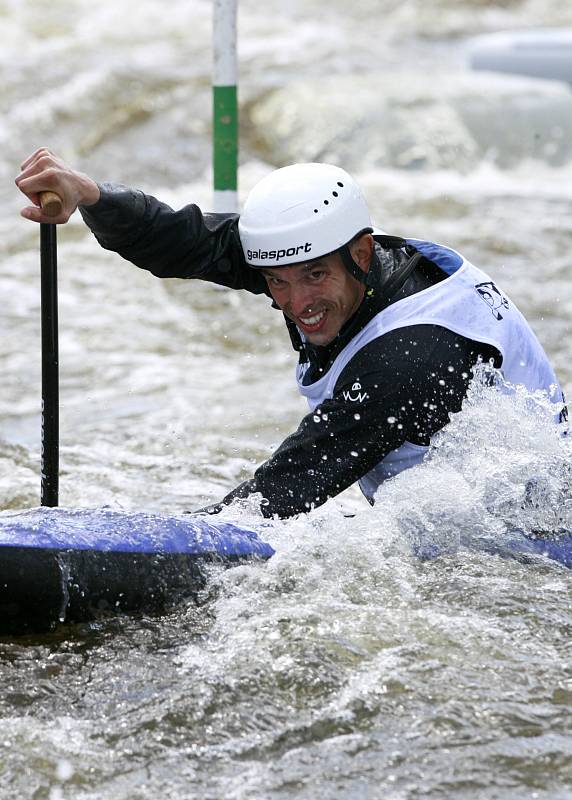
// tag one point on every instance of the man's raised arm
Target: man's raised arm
(170, 244)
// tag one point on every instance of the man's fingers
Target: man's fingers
(32, 185)
(43, 166)
(41, 151)
(35, 214)
(32, 212)
(41, 163)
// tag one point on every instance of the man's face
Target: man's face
(319, 296)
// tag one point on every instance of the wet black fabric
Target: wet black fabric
(171, 244)
(410, 380)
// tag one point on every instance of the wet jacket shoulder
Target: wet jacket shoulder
(171, 244)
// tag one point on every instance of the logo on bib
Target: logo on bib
(355, 395)
(493, 298)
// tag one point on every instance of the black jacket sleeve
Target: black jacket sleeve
(410, 382)
(168, 243)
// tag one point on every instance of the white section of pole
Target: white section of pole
(225, 201)
(224, 42)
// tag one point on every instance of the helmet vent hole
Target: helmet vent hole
(326, 202)
(340, 184)
(315, 211)
(335, 194)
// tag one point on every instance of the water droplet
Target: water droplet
(64, 770)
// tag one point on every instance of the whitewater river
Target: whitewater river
(345, 668)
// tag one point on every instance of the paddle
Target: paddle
(51, 205)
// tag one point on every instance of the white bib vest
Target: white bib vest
(468, 303)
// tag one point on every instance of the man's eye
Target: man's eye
(275, 281)
(316, 275)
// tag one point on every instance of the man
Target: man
(388, 330)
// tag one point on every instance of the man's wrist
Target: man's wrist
(90, 193)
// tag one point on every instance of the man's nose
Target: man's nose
(301, 298)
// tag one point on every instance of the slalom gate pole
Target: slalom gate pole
(225, 107)
(51, 206)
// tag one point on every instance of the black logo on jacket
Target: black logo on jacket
(493, 298)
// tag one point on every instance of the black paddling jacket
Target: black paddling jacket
(415, 376)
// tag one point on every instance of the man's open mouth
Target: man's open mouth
(313, 321)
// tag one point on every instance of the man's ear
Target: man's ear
(362, 251)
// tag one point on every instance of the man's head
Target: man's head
(307, 227)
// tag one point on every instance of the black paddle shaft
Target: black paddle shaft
(50, 383)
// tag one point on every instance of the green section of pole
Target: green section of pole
(225, 141)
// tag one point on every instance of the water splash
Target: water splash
(501, 465)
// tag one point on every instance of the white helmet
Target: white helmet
(301, 212)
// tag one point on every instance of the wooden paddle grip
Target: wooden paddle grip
(51, 204)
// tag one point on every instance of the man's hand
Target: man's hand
(43, 171)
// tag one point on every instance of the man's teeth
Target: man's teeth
(313, 320)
